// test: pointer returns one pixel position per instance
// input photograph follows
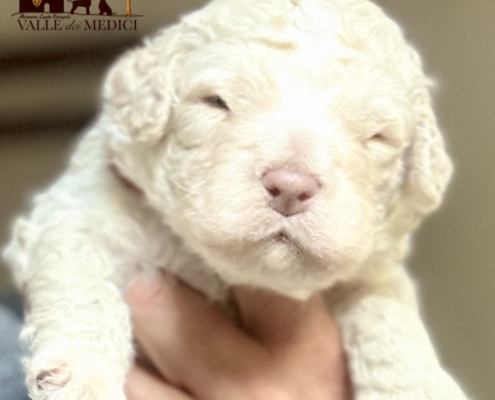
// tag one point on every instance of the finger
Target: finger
(141, 385)
(276, 320)
(188, 340)
(299, 333)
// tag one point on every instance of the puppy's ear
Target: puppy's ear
(138, 91)
(427, 164)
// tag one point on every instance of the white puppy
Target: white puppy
(282, 144)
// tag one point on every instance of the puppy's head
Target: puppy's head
(286, 142)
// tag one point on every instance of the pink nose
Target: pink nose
(290, 191)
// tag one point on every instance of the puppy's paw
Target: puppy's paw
(61, 379)
(53, 379)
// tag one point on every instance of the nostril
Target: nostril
(274, 191)
(305, 196)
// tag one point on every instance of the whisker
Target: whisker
(186, 189)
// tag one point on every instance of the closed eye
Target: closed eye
(217, 102)
(379, 137)
(384, 138)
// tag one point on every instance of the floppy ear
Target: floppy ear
(138, 92)
(428, 167)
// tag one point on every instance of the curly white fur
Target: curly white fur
(165, 179)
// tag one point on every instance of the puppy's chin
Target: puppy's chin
(282, 263)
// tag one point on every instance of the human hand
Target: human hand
(284, 349)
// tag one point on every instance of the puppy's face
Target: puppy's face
(283, 162)
(280, 164)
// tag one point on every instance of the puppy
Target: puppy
(288, 145)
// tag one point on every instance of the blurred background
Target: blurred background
(49, 90)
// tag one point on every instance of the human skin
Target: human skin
(282, 349)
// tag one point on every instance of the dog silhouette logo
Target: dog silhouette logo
(86, 4)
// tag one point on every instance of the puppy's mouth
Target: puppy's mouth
(280, 238)
(280, 250)
(284, 238)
